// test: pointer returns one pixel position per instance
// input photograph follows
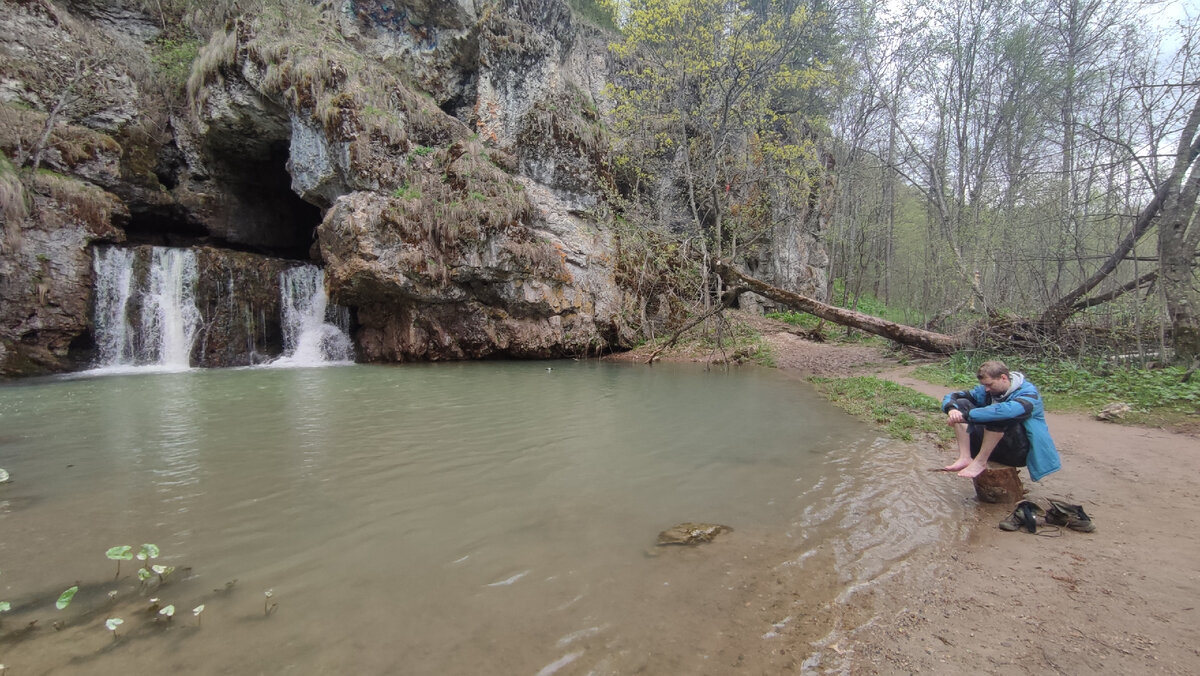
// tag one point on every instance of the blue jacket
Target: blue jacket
(1021, 402)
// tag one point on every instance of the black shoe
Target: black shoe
(1072, 516)
(1024, 516)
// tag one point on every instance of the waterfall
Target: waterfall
(314, 333)
(114, 284)
(167, 324)
(169, 314)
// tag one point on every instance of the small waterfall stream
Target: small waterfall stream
(148, 316)
(114, 284)
(314, 333)
(168, 319)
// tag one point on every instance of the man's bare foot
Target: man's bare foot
(959, 464)
(973, 470)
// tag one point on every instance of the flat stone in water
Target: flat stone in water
(691, 533)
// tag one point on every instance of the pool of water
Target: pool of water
(463, 518)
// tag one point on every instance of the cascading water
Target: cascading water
(166, 331)
(114, 285)
(314, 333)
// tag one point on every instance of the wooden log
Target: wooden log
(999, 484)
(907, 335)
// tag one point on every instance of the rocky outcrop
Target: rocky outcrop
(446, 161)
(448, 244)
(46, 273)
(238, 296)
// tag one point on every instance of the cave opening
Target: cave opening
(257, 211)
(264, 213)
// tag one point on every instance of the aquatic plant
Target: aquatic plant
(4, 478)
(147, 552)
(112, 623)
(64, 599)
(268, 606)
(168, 612)
(196, 611)
(120, 553)
(162, 572)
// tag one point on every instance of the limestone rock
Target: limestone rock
(1114, 411)
(691, 533)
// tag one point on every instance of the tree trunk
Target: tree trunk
(1176, 250)
(926, 340)
(999, 484)
(1166, 194)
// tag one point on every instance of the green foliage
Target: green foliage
(710, 80)
(64, 599)
(422, 151)
(407, 192)
(597, 13)
(120, 553)
(173, 59)
(868, 304)
(1081, 384)
(801, 319)
(903, 411)
(147, 552)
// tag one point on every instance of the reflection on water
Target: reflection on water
(467, 518)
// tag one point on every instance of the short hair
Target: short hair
(991, 369)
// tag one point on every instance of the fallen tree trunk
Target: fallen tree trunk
(907, 335)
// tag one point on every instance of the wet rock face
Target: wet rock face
(46, 288)
(238, 296)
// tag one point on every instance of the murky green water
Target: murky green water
(449, 519)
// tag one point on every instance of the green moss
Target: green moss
(173, 58)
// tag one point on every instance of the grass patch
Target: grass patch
(1084, 385)
(902, 411)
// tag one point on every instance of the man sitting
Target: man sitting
(1002, 418)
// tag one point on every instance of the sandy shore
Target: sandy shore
(1122, 600)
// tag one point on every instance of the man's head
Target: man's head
(994, 376)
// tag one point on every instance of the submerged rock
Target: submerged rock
(691, 533)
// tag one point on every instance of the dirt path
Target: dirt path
(1125, 599)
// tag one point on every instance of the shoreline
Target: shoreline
(1124, 599)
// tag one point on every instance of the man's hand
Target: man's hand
(955, 417)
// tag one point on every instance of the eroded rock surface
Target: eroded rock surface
(446, 160)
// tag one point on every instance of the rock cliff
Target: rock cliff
(444, 161)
